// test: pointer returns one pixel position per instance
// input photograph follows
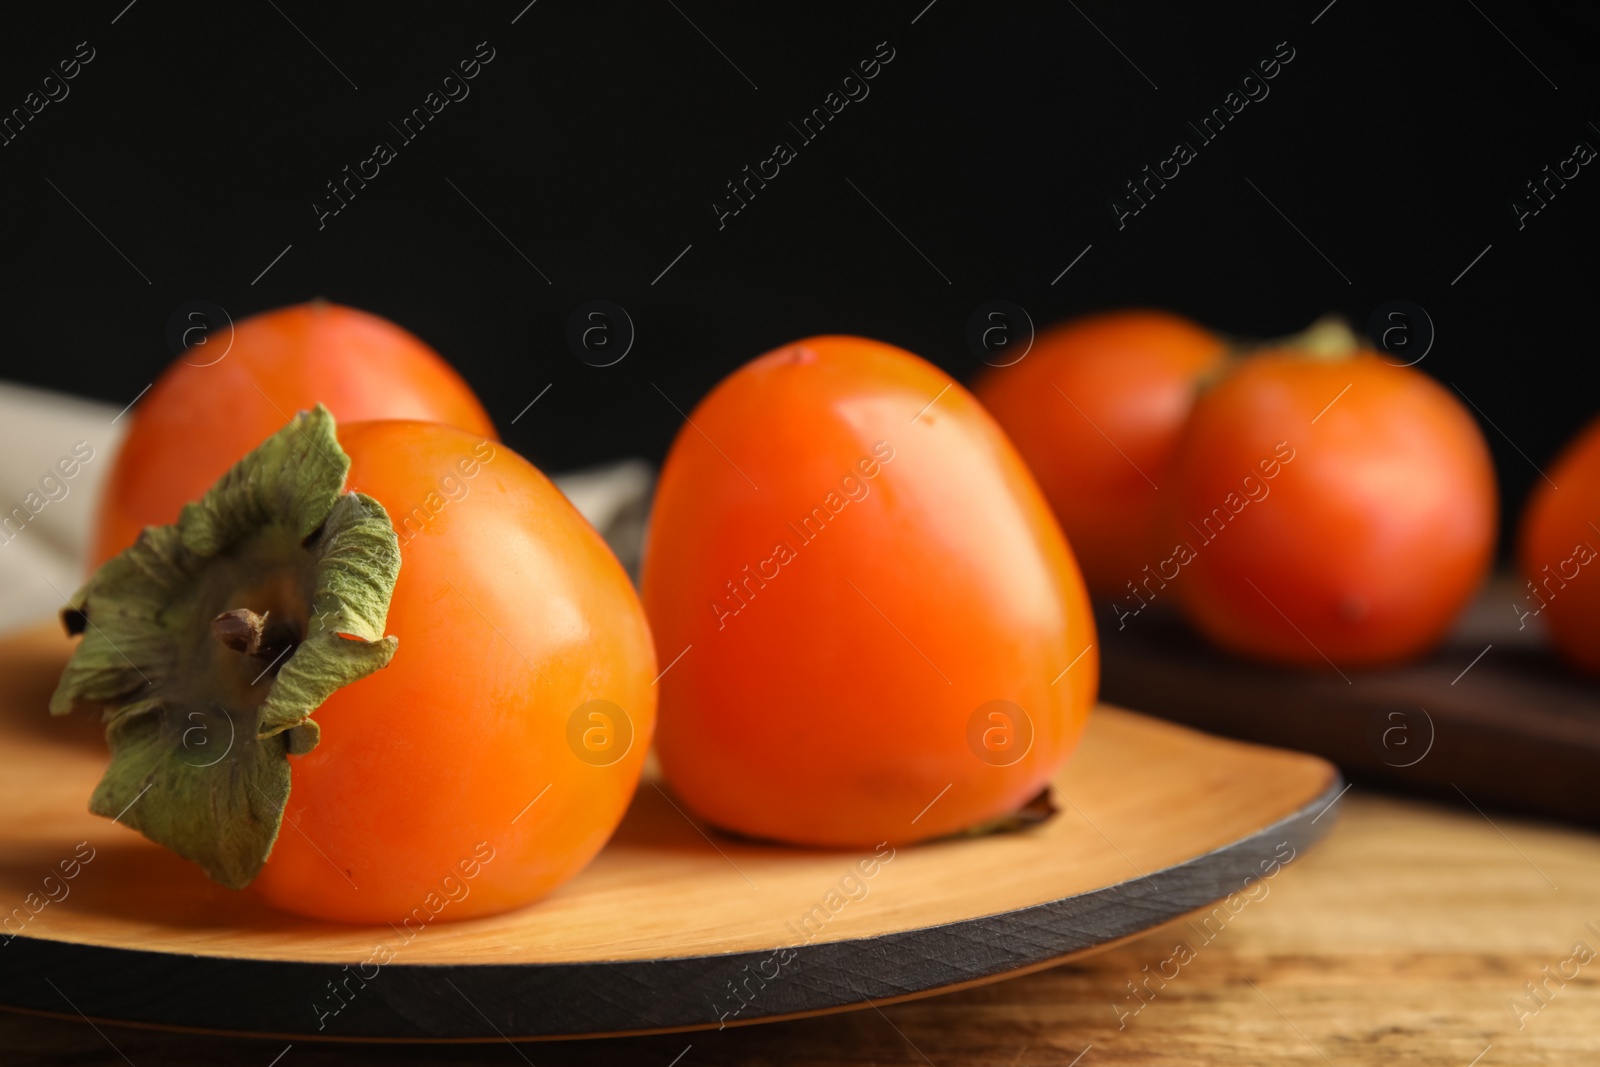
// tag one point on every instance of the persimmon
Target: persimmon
(448, 622)
(223, 397)
(874, 627)
(1095, 408)
(1557, 544)
(1328, 507)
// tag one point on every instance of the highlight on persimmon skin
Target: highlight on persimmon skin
(1557, 544)
(846, 629)
(206, 411)
(1329, 510)
(1095, 407)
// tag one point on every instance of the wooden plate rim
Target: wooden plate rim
(596, 998)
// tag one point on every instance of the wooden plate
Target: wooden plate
(674, 926)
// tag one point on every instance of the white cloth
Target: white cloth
(44, 562)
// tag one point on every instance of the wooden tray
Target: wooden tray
(1490, 718)
(1156, 822)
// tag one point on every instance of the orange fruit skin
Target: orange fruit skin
(1365, 543)
(1557, 545)
(205, 412)
(826, 699)
(1096, 407)
(511, 612)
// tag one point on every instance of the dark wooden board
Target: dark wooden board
(1491, 718)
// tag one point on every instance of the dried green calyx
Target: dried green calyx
(1329, 338)
(208, 644)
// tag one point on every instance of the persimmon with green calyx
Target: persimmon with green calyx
(1558, 542)
(1095, 407)
(384, 633)
(223, 396)
(1329, 509)
(874, 628)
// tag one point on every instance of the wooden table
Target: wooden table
(1402, 938)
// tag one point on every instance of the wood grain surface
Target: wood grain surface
(1402, 938)
(674, 925)
(1490, 717)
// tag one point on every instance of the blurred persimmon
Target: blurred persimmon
(1558, 539)
(1095, 408)
(217, 402)
(1328, 507)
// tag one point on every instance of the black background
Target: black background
(597, 140)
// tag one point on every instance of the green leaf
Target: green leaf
(199, 737)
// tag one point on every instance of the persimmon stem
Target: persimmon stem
(240, 629)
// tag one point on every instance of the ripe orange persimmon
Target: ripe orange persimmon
(1095, 407)
(1328, 507)
(488, 759)
(221, 399)
(1557, 545)
(874, 628)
